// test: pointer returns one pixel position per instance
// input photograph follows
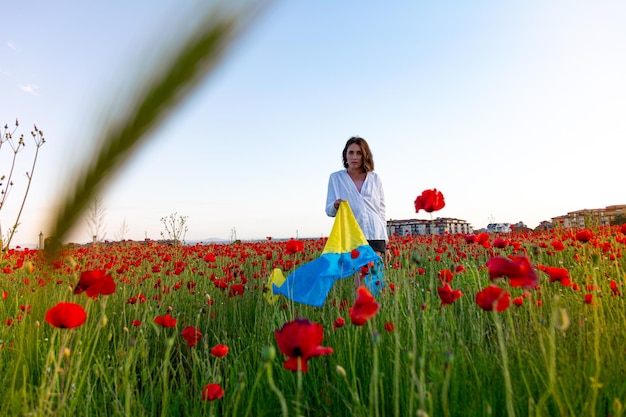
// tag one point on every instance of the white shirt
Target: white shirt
(368, 205)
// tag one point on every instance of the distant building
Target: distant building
(590, 217)
(544, 225)
(438, 226)
(499, 228)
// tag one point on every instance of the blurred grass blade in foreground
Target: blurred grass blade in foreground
(163, 87)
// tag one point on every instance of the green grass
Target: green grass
(440, 360)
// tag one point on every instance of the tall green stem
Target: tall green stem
(165, 372)
(374, 406)
(273, 387)
(299, 388)
(505, 366)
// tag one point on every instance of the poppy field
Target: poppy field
(524, 323)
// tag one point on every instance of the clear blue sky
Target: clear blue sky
(514, 110)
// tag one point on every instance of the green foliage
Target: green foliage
(180, 69)
(559, 354)
(618, 220)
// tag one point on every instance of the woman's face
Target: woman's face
(354, 156)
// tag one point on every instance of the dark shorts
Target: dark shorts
(378, 245)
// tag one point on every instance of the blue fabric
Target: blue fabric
(311, 282)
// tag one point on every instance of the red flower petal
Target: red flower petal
(66, 315)
(364, 308)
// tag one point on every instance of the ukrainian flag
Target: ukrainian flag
(345, 253)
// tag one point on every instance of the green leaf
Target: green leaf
(180, 70)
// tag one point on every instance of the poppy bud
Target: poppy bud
(268, 354)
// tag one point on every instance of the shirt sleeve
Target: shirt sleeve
(332, 196)
(381, 205)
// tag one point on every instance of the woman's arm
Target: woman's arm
(332, 196)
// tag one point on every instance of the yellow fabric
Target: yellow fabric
(346, 234)
(311, 282)
(276, 278)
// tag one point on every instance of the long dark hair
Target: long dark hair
(368, 159)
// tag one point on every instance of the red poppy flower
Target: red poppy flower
(584, 235)
(212, 392)
(518, 270)
(471, 238)
(339, 322)
(500, 243)
(221, 283)
(614, 289)
(483, 238)
(136, 323)
(235, 290)
(300, 340)
(389, 327)
(559, 274)
(66, 315)
(447, 294)
(493, 296)
(94, 283)
(191, 335)
(165, 321)
(518, 301)
(623, 229)
(364, 308)
(429, 201)
(445, 275)
(219, 351)
(294, 246)
(557, 245)
(588, 298)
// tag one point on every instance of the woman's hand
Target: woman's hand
(337, 202)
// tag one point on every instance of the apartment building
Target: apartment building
(438, 226)
(590, 217)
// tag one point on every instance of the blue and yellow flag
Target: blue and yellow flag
(277, 278)
(345, 253)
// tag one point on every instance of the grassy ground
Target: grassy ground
(561, 352)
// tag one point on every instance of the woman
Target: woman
(361, 186)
